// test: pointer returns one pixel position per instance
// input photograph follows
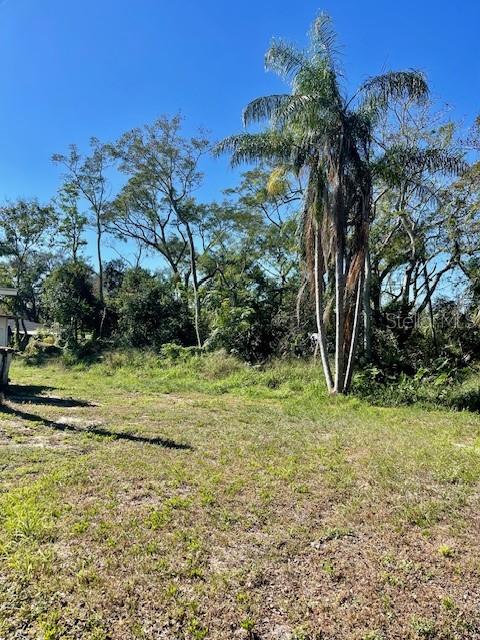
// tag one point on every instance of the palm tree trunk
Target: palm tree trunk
(355, 332)
(367, 308)
(339, 312)
(321, 342)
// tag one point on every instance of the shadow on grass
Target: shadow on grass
(25, 394)
(31, 394)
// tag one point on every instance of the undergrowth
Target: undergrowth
(184, 369)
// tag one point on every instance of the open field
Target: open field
(212, 500)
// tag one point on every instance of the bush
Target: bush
(69, 300)
(220, 364)
(176, 353)
(259, 326)
(39, 350)
(440, 385)
(150, 312)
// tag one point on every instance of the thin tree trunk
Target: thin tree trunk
(75, 331)
(100, 276)
(196, 303)
(430, 308)
(196, 299)
(406, 286)
(321, 342)
(339, 312)
(367, 308)
(100, 261)
(25, 338)
(17, 333)
(355, 332)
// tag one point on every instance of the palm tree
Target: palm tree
(318, 132)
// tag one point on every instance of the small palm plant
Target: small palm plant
(326, 137)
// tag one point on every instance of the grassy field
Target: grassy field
(209, 499)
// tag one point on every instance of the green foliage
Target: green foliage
(445, 550)
(40, 349)
(69, 300)
(71, 222)
(150, 312)
(174, 352)
(441, 384)
(25, 246)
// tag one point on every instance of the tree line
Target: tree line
(352, 233)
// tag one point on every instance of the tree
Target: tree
(114, 273)
(86, 175)
(69, 300)
(257, 269)
(71, 223)
(25, 227)
(150, 313)
(415, 233)
(267, 207)
(157, 206)
(320, 133)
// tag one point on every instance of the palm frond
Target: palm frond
(425, 192)
(413, 166)
(284, 110)
(323, 40)
(395, 85)
(269, 146)
(370, 109)
(277, 183)
(264, 108)
(417, 160)
(285, 59)
(441, 161)
(306, 111)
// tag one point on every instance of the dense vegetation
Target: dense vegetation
(354, 233)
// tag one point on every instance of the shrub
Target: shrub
(38, 350)
(175, 352)
(68, 299)
(441, 384)
(150, 312)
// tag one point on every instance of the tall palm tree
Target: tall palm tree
(326, 136)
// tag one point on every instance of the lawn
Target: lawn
(208, 499)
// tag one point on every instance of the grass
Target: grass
(204, 498)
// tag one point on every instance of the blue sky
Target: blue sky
(71, 69)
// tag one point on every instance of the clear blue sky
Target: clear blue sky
(75, 68)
